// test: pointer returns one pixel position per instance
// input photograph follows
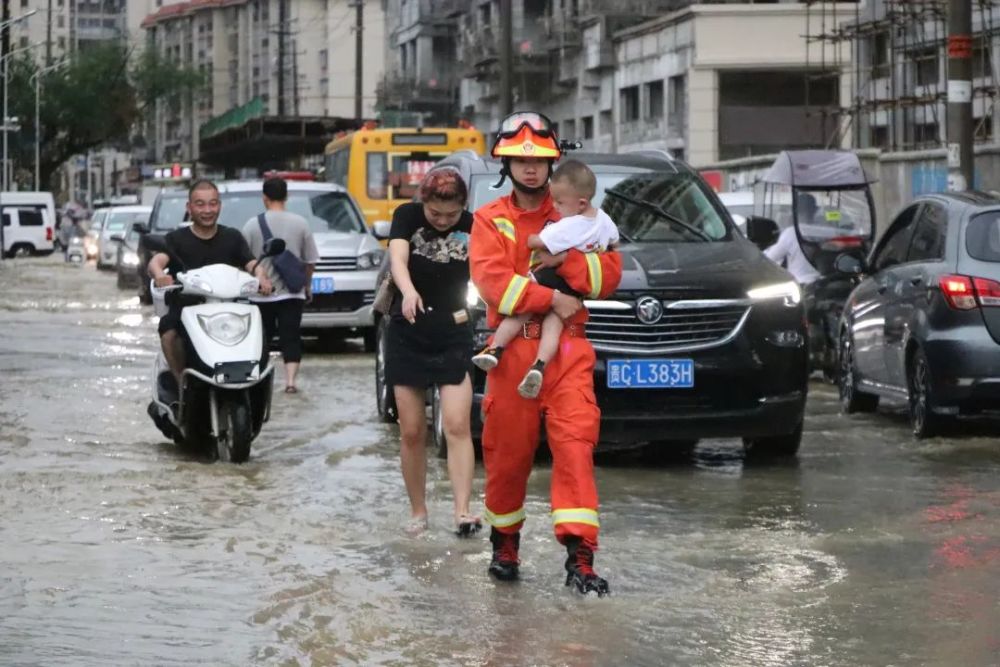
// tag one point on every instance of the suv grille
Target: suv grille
(685, 325)
(337, 264)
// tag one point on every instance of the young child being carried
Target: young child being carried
(582, 227)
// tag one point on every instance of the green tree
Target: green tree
(99, 98)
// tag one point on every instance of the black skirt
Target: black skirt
(433, 350)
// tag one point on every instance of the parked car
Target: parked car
(27, 231)
(44, 204)
(708, 303)
(740, 207)
(923, 326)
(343, 283)
(118, 220)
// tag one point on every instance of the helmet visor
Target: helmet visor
(538, 124)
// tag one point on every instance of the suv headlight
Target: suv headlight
(789, 291)
(370, 260)
(472, 297)
(129, 258)
(226, 328)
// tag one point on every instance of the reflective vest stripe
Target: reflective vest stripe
(505, 227)
(504, 520)
(596, 274)
(512, 295)
(576, 515)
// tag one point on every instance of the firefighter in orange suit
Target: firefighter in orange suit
(500, 263)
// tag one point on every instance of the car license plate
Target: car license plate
(322, 285)
(650, 373)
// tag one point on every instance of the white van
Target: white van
(26, 230)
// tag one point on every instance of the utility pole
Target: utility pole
(48, 36)
(282, 30)
(961, 158)
(506, 57)
(359, 56)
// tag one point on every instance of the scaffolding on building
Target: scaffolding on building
(897, 70)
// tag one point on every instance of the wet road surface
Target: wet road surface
(117, 549)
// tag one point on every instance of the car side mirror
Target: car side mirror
(274, 247)
(117, 238)
(381, 229)
(762, 232)
(849, 265)
(140, 228)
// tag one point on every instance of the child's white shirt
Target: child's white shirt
(580, 232)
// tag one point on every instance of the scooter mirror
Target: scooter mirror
(274, 247)
(849, 265)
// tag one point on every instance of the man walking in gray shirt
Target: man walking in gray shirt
(282, 309)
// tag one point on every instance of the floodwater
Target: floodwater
(117, 549)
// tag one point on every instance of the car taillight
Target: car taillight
(987, 291)
(48, 233)
(958, 292)
(842, 243)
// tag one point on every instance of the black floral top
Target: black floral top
(439, 261)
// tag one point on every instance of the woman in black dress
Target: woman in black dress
(429, 338)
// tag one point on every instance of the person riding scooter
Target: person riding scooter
(203, 243)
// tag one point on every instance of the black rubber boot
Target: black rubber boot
(504, 565)
(580, 568)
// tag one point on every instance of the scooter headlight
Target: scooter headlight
(226, 328)
(789, 291)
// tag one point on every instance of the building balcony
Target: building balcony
(411, 92)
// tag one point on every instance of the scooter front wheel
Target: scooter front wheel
(233, 441)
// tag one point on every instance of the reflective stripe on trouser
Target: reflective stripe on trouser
(515, 518)
(510, 435)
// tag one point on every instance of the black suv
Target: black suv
(705, 337)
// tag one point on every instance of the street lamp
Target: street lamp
(37, 77)
(6, 71)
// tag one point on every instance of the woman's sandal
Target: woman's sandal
(468, 525)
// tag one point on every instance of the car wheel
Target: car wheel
(145, 298)
(851, 399)
(370, 340)
(437, 425)
(121, 282)
(660, 452)
(923, 421)
(384, 398)
(774, 446)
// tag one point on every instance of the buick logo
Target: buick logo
(649, 310)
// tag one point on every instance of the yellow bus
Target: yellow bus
(382, 168)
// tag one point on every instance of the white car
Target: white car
(117, 221)
(740, 206)
(28, 231)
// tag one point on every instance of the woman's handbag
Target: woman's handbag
(385, 293)
(289, 267)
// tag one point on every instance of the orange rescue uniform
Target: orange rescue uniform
(500, 259)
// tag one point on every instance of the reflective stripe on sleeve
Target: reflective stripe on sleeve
(576, 515)
(505, 227)
(596, 274)
(504, 520)
(515, 288)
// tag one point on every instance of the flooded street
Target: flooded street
(117, 549)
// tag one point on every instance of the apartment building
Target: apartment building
(295, 58)
(706, 81)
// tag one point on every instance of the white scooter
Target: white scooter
(225, 393)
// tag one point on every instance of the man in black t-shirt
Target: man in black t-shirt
(205, 242)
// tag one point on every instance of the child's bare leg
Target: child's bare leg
(507, 330)
(552, 327)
